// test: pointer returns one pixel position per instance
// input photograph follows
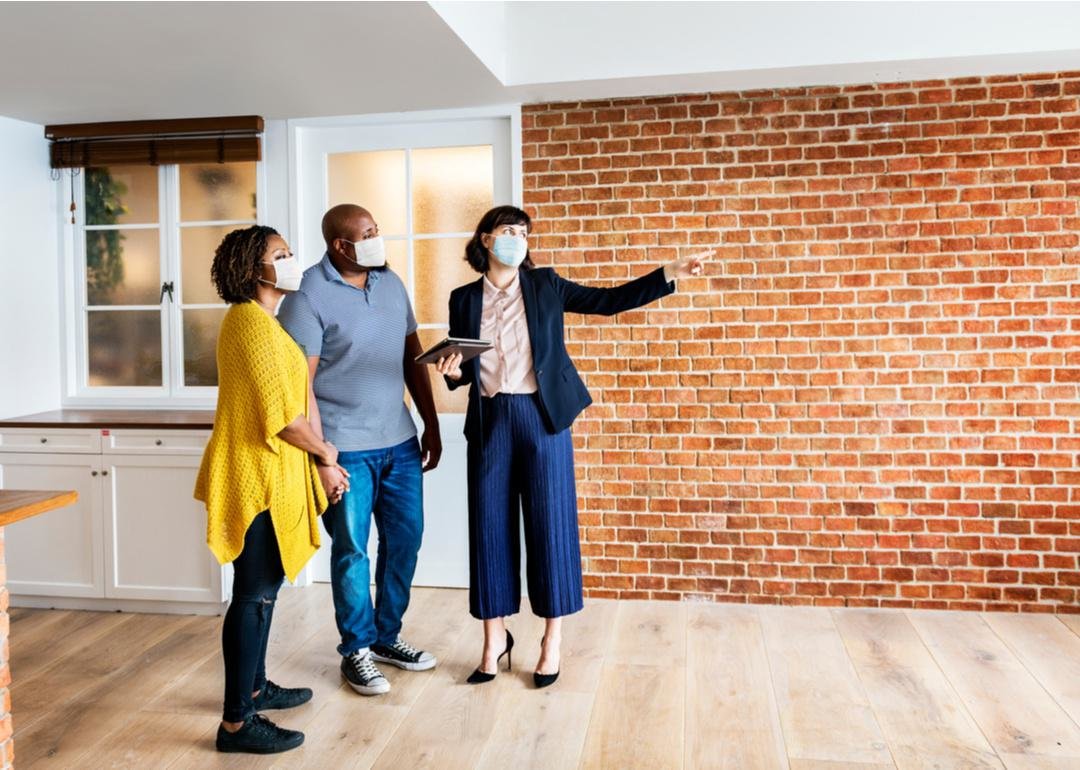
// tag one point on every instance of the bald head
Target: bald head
(347, 221)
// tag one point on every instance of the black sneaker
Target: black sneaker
(258, 736)
(403, 656)
(362, 675)
(273, 697)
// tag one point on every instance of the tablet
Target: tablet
(467, 348)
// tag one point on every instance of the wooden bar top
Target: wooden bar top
(16, 504)
(156, 419)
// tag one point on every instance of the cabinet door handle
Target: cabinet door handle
(93, 473)
(104, 473)
(44, 440)
(159, 442)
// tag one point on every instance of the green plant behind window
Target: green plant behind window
(104, 248)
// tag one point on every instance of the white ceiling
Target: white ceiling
(73, 62)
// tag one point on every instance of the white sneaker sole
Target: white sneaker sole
(425, 665)
(368, 689)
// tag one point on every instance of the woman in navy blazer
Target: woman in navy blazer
(524, 395)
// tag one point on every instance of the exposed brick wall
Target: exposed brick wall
(872, 397)
(7, 744)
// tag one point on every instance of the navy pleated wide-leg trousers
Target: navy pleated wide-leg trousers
(519, 465)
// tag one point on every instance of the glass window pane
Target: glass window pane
(374, 180)
(200, 346)
(397, 257)
(440, 268)
(123, 267)
(452, 188)
(197, 247)
(214, 192)
(121, 195)
(124, 347)
(446, 401)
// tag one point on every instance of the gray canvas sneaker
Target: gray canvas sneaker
(360, 672)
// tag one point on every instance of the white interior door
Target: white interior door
(426, 182)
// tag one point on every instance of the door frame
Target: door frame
(302, 234)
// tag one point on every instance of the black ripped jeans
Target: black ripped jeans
(257, 577)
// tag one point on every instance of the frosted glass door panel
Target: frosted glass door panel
(374, 180)
(397, 257)
(440, 268)
(452, 187)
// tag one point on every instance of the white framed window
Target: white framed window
(143, 313)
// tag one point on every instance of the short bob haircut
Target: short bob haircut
(475, 253)
(236, 267)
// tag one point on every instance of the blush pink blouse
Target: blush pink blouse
(508, 366)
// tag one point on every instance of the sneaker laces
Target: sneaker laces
(402, 646)
(364, 666)
(262, 725)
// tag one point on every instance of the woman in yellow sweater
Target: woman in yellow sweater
(262, 477)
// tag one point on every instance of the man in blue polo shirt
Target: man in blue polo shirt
(353, 319)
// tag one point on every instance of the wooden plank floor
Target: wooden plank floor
(644, 684)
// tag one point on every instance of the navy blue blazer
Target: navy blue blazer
(547, 296)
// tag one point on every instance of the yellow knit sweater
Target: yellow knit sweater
(246, 468)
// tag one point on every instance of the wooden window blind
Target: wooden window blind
(156, 142)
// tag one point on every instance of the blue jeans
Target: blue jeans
(386, 483)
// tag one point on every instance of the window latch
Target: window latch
(166, 287)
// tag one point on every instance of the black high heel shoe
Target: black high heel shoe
(544, 680)
(480, 677)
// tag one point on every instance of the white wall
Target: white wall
(29, 274)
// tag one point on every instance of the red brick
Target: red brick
(874, 385)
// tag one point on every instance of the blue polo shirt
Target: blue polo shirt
(359, 337)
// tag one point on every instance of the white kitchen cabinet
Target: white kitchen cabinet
(156, 532)
(136, 539)
(59, 553)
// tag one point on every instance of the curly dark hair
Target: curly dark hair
(236, 267)
(475, 253)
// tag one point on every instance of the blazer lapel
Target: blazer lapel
(528, 296)
(473, 308)
(474, 305)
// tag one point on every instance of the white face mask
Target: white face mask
(370, 252)
(288, 274)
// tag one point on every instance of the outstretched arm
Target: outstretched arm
(641, 291)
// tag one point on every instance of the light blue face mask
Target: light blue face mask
(510, 249)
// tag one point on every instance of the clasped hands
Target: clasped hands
(334, 478)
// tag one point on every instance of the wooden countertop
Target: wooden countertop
(156, 419)
(16, 504)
